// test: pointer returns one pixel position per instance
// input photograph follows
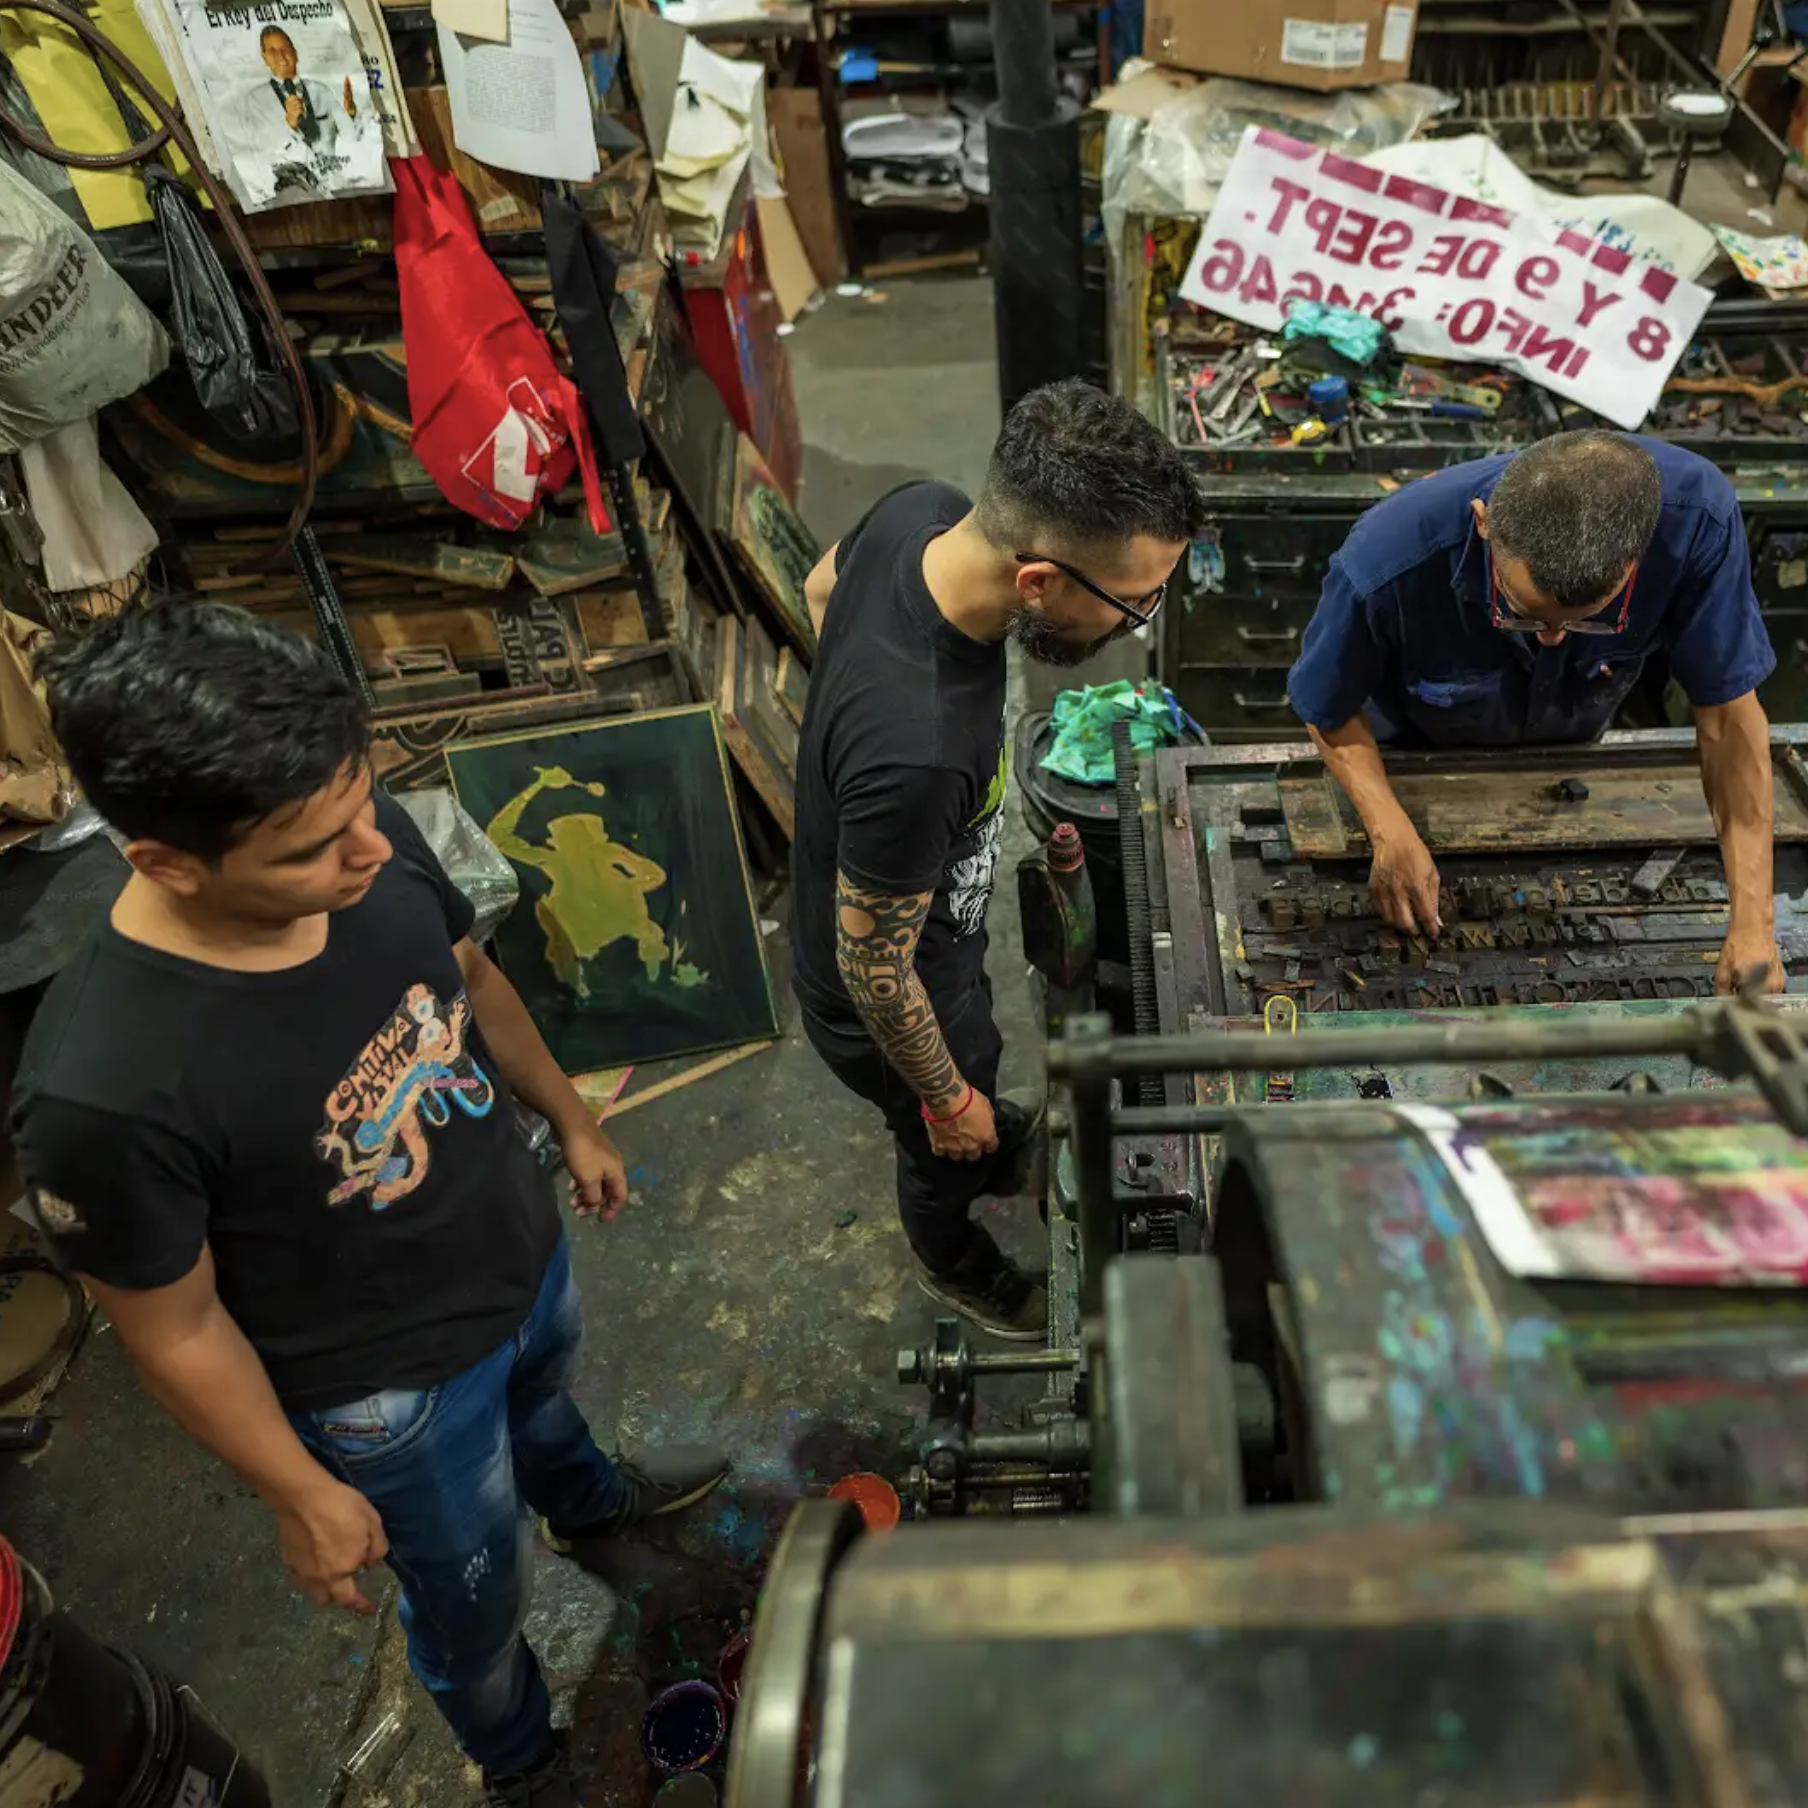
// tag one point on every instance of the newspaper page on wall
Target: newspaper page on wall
(287, 99)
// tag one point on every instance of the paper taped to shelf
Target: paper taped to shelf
(522, 104)
(1449, 276)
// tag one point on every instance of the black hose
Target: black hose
(171, 130)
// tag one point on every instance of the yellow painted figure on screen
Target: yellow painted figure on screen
(599, 886)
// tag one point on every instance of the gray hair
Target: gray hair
(1576, 509)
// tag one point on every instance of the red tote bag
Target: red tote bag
(495, 423)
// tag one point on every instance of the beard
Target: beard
(1040, 639)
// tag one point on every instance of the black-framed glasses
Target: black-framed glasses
(1143, 611)
(1509, 618)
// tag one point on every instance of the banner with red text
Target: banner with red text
(1449, 277)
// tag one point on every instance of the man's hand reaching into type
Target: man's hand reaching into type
(1403, 882)
(326, 1537)
(969, 1136)
(1744, 949)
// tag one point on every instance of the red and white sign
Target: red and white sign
(1449, 277)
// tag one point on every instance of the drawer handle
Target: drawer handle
(1296, 563)
(1256, 637)
(1244, 700)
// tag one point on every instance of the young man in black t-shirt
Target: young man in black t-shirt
(901, 782)
(268, 1114)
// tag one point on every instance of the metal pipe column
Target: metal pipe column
(1033, 161)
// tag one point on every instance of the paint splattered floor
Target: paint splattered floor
(731, 1304)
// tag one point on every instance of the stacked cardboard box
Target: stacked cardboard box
(1320, 44)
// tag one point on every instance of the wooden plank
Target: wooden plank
(408, 747)
(415, 662)
(772, 544)
(762, 770)
(694, 629)
(611, 618)
(1516, 809)
(649, 677)
(542, 643)
(759, 677)
(429, 687)
(793, 684)
(412, 555)
(470, 633)
(564, 555)
(685, 1076)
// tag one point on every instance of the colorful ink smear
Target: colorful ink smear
(1677, 1191)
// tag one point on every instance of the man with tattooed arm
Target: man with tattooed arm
(1085, 513)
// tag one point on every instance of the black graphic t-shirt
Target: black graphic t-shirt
(337, 1132)
(901, 764)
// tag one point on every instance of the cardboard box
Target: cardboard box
(1322, 44)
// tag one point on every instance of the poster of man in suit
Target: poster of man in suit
(288, 99)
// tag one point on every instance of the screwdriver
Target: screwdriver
(1448, 411)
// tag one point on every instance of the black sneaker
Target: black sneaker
(996, 1295)
(1020, 1168)
(657, 1482)
(555, 1782)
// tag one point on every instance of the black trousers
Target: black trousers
(935, 1194)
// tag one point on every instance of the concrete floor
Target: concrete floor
(727, 1304)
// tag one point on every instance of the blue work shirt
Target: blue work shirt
(1404, 627)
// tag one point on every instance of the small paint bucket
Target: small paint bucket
(692, 1790)
(684, 1728)
(730, 1665)
(876, 1498)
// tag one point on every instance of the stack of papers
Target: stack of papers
(975, 170)
(706, 123)
(905, 151)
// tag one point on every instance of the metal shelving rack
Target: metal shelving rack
(968, 224)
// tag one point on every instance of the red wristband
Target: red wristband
(952, 1115)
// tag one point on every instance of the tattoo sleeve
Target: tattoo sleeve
(875, 950)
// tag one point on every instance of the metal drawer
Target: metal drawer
(1278, 554)
(1239, 703)
(1242, 630)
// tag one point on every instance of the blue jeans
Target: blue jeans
(455, 1472)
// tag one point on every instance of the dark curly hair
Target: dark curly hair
(189, 723)
(1077, 468)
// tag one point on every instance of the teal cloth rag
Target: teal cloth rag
(1082, 722)
(1356, 336)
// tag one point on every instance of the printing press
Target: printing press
(1317, 1498)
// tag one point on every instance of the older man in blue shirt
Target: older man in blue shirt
(1513, 601)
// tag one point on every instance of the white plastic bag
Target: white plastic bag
(73, 337)
(469, 856)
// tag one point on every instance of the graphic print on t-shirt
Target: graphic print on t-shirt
(409, 1076)
(970, 878)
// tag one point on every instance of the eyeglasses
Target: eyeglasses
(1513, 622)
(1143, 611)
